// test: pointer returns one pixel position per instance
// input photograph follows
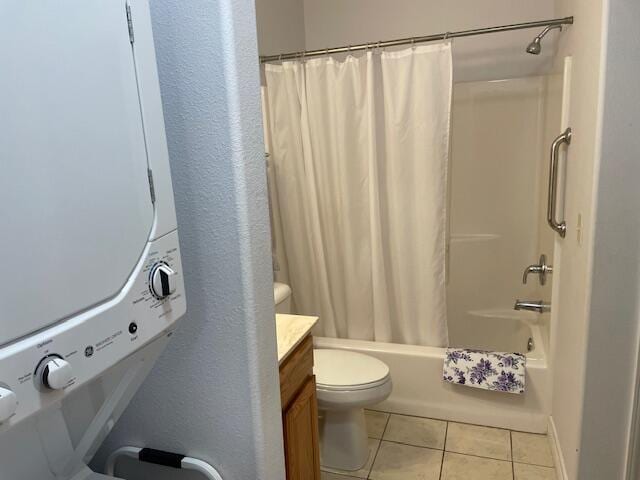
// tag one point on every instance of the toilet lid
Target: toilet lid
(345, 370)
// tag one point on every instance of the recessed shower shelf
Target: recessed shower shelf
(504, 313)
(473, 237)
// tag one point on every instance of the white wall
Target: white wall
(280, 26)
(612, 343)
(214, 394)
(573, 254)
(331, 23)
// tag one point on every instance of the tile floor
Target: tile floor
(415, 448)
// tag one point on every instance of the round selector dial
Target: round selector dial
(162, 280)
(54, 373)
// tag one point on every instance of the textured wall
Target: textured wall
(214, 394)
(614, 316)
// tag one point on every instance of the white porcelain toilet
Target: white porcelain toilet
(282, 297)
(346, 383)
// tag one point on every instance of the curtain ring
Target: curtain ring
(378, 47)
(446, 35)
(413, 43)
(280, 58)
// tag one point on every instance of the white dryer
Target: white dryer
(92, 282)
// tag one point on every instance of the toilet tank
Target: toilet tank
(282, 297)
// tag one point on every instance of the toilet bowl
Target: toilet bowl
(346, 383)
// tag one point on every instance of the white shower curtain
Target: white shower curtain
(359, 153)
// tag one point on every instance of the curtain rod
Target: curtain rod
(414, 40)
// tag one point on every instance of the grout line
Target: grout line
(423, 448)
(373, 462)
(386, 425)
(375, 455)
(478, 456)
(535, 464)
(418, 446)
(513, 468)
(444, 449)
(511, 445)
(479, 425)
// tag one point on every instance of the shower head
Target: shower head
(535, 47)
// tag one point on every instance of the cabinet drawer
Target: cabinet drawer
(295, 371)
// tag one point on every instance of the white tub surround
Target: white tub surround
(290, 331)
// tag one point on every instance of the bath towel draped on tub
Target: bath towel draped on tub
(496, 371)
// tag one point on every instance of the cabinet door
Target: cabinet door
(301, 443)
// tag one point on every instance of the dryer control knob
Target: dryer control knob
(8, 404)
(162, 280)
(55, 373)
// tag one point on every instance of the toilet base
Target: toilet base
(343, 439)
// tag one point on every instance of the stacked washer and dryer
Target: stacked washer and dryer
(92, 285)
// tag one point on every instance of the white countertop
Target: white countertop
(290, 331)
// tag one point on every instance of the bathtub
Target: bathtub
(418, 388)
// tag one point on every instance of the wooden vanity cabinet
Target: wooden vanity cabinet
(300, 414)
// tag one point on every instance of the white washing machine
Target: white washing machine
(92, 283)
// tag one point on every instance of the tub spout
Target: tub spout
(532, 305)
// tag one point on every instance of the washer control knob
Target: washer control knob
(8, 404)
(55, 373)
(162, 280)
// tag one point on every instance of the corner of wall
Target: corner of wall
(214, 393)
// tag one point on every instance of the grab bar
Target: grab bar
(158, 457)
(560, 227)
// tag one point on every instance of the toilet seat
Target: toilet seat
(343, 370)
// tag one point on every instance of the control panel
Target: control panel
(44, 367)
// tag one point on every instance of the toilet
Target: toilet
(282, 297)
(346, 383)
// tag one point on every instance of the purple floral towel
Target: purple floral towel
(497, 371)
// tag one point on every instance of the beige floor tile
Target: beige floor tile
(334, 476)
(421, 432)
(465, 467)
(405, 462)
(376, 422)
(480, 441)
(533, 472)
(531, 448)
(364, 471)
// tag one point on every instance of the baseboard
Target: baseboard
(558, 458)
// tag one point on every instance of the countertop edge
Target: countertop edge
(290, 331)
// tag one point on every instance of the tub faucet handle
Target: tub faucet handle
(542, 269)
(537, 306)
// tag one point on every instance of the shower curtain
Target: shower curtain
(358, 157)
